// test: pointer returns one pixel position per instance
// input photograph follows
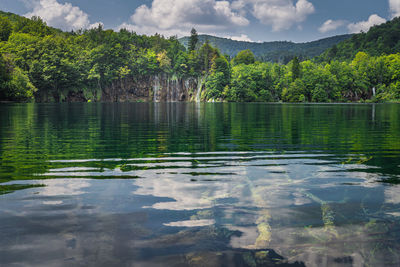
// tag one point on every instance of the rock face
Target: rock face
(159, 88)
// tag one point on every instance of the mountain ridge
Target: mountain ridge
(275, 51)
(378, 40)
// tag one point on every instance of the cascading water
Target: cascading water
(174, 89)
(199, 88)
(156, 88)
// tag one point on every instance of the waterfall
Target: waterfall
(199, 87)
(174, 91)
(156, 88)
(168, 91)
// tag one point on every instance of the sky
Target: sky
(246, 20)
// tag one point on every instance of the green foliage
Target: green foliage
(294, 92)
(279, 52)
(380, 39)
(242, 86)
(34, 26)
(295, 65)
(219, 78)
(194, 38)
(207, 55)
(244, 57)
(221, 64)
(215, 85)
(5, 29)
(164, 61)
(14, 83)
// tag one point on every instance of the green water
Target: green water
(186, 184)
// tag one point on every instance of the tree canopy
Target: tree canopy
(244, 57)
(380, 39)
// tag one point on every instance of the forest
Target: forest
(37, 61)
(278, 51)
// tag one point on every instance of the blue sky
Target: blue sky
(255, 20)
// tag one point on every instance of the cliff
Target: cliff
(157, 88)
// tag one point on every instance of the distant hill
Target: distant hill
(33, 26)
(380, 39)
(281, 51)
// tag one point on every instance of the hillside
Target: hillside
(280, 51)
(34, 26)
(380, 39)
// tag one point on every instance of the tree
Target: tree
(332, 52)
(5, 29)
(194, 38)
(295, 68)
(243, 85)
(164, 61)
(207, 55)
(220, 64)
(244, 57)
(14, 83)
(215, 85)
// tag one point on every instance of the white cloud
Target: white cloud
(95, 25)
(242, 37)
(394, 6)
(177, 17)
(365, 25)
(331, 25)
(64, 16)
(280, 14)
(150, 30)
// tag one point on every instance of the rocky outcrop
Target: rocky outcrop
(158, 88)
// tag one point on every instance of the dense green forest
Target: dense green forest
(279, 52)
(380, 39)
(41, 63)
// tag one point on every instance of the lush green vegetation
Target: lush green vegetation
(380, 39)
(57, 63)
(45, 64)
(365, 78)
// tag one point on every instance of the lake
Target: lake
(199, 184)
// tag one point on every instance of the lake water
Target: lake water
(189, 184)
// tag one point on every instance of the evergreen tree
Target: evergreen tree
(295, 68)
(194, 38)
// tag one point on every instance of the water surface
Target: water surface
(186, 184)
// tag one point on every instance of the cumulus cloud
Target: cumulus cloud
(280, 14)
(95, 25)
(394, 6)
(365, 25)
(331, 25)
(177, 17)
(150, 30)
(64, 16)
(242, 37)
